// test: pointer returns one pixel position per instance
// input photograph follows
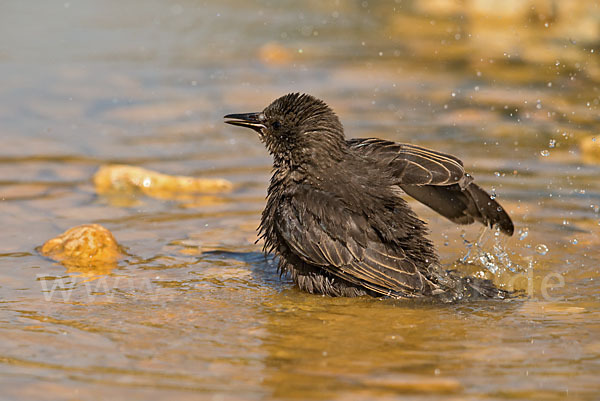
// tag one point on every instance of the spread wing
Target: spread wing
(411, 164)
(437, 180)
(342, 244)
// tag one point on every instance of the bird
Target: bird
(335, 215)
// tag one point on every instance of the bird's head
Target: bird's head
(295, 128)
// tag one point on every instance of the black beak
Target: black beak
(248, 120)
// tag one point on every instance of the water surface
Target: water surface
(195, 311)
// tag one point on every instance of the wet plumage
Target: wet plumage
(335, 215)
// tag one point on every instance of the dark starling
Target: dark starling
(334, 212)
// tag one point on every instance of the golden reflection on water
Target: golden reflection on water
(193, 310)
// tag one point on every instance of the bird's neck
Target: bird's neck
(313, 155)
(311, 169)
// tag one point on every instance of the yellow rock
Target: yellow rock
(416, 384)
(274, 53)
(590, 149)
(124, 178)
(84, 248)
(440, 7)
(469, 117)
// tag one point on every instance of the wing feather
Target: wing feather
(437, 180)
(411, 164)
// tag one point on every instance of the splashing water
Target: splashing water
(498, 259)
(523, 233)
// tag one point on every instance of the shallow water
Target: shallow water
(195, 310)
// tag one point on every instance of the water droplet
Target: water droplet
(574, 241)
(552, 143)
(524, 234)
(545, 153)
(541, 249)
(487, 260)
(147, 181)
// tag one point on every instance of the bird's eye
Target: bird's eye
(276, 125)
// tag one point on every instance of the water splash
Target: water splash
(523, 233)
(496, 260)
(488, 261)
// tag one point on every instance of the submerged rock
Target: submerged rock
(85, 247)
(124, 178)
(590, 149)
(415, 384)
(274, 53)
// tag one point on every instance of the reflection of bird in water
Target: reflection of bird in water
(335, 217)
